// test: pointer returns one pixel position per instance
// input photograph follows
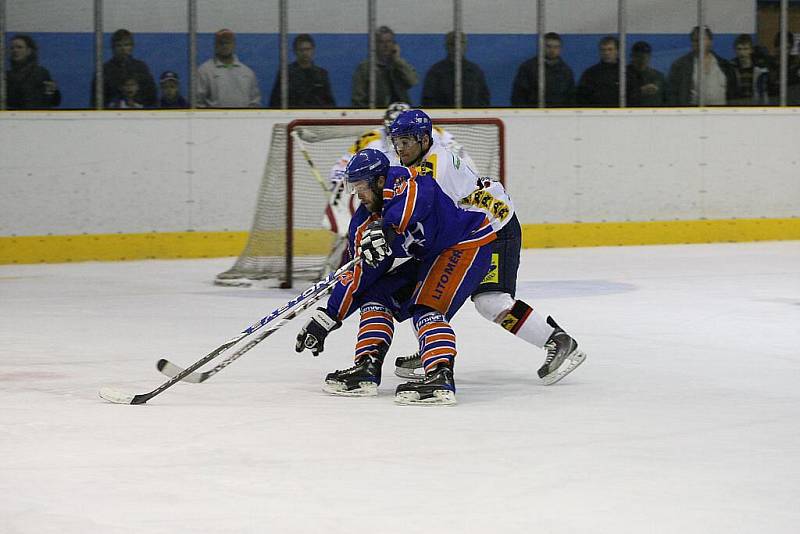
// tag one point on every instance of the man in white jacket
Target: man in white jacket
(225, 82)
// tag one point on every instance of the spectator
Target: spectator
(599, 84)
(171, 91)
(439, 87)
(309, 86)
(751, 74)
(559, 81)
(719, 81)
(792, 70)
(123, 66)
(645, 85)
(28, 84)
(394, 76)
(129, 97)
(225, 82)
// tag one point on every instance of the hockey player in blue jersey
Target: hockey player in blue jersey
(411, 134)
(450, 252)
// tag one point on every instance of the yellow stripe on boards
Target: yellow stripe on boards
(173, 245)
(120, 247)
(658, 232)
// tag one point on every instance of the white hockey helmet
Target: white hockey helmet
(394, 109)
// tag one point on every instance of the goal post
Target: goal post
(287, 239)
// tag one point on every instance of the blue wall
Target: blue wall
(70, 58)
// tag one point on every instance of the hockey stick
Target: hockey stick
(304, 299)
(170, 369)
(307, 156)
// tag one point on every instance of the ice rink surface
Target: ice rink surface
(684, 419)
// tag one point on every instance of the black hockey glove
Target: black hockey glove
(312, 335)
(374, 248)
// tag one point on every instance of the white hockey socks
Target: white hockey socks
(515, 316)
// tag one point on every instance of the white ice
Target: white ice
(684, 419)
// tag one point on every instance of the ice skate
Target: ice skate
(361, 380)
(438, 387)
(563, 355)
(409, 367)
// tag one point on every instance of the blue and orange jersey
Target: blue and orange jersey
(420, 220)
(425, 218)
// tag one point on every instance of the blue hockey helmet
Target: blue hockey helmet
(413, 122)
(366, 165)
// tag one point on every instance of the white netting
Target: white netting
(267, 256)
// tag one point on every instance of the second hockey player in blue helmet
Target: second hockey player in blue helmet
(495, 297)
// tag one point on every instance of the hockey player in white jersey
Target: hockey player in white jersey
(413, 140)
(379, 140)
(341, 207)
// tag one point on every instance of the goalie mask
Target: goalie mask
(394, 109)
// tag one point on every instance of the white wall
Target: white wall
(408, 16)
(106, 172)
(656, 165)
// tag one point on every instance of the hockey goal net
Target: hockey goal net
(287, 239)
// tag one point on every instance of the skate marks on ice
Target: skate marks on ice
(572, 288)
(30, 376)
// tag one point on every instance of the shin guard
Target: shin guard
(437, 341)
(375, 331)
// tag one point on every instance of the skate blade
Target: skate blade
(409, 374)
(569, 364)
(442, 397)
(364, 389)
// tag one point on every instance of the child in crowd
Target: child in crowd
(129, 95)
(171, 91)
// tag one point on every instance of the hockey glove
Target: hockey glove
(374, 248)
(312, 335)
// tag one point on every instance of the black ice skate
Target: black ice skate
(563, 355)
(361, 380)
(437, 388)
(409, 367)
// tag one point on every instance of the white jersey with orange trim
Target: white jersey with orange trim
(459, 180)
